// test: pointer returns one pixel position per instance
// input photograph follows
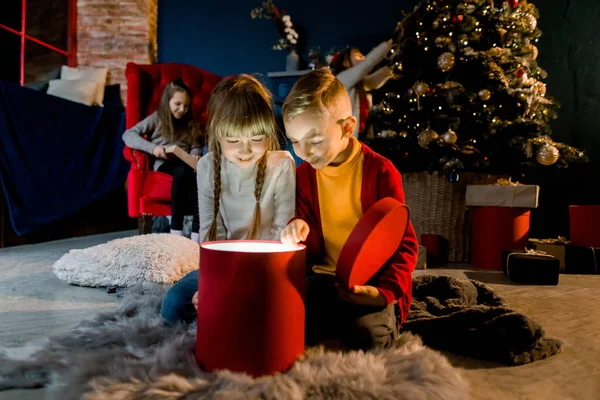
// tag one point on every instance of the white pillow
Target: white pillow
(94, 74)
(160, 258)
(78, 91)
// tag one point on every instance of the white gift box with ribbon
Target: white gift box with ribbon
(503, 194)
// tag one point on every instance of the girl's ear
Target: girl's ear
(348, 125)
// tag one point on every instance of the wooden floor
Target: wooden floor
(34, 303)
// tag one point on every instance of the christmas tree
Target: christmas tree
(469, 93)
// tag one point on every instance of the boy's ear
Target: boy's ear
(348, 125)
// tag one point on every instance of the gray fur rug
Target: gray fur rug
(131, 354)
(476, 321)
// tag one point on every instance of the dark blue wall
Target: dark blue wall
(221, 37)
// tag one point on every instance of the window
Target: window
(38, 36)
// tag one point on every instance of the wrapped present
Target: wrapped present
(422, 258)
(582, 260)
(554, 247)
(530, 266)
(503, 194)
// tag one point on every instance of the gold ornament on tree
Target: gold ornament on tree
(484, 94)
(450, 137)
(529, 23)
(532, 51)
(445, 62)
(442, 41)
(426, 136)
(467, 150)
(547, 154)
(502, 32)
(421, 88)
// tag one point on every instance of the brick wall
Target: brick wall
(111, 33)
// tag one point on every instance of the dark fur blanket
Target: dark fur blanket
(468, 317)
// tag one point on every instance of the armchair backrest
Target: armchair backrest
(145, 85)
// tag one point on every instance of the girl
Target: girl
(172, 124)
(352, 69)
(247, 189)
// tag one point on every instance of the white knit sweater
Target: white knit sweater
(277, 203)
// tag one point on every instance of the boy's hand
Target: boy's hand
(296, 232)
(159, 152)
(195, 300)
(365, 295)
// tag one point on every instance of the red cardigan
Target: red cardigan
(380, 179)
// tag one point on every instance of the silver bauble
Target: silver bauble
(450, 137)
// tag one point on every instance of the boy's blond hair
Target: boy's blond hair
(315, 92)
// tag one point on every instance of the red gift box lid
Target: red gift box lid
(373, 241)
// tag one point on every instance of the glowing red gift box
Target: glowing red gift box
(373, 241)
(250, 306)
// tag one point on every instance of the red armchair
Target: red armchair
(148, 191)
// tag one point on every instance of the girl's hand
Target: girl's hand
(296, 232)
(365, 295)
(195, 300)
(196, 157)
(159, 152)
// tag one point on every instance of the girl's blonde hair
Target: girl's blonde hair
(240, 107)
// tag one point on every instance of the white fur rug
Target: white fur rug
(131, 354)
(160, 258)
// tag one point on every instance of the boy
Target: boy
(339, 181)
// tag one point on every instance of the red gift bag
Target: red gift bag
(494, 229)
(584, 224)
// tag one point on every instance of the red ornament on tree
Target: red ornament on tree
(457, 18)
(520, 72)
(513, 3)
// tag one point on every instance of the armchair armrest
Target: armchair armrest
(139, 160)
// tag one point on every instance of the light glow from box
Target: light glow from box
(251, 247)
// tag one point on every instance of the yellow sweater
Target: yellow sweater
(339, 200)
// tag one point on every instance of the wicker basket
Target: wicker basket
(438, 207)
